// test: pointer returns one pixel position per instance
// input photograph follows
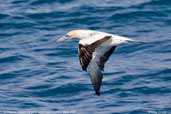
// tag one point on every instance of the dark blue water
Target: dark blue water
(39, 74)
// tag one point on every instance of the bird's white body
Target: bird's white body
(95, 48)
(93, 36)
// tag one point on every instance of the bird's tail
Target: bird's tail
(135, 41)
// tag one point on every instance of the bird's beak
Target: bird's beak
(62, 39)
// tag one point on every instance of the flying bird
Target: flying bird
(95, 48)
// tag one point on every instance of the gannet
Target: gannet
(94, 49)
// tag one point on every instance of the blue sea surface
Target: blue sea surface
(39, 74)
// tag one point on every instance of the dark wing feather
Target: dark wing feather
(105, 57)
(85, 56)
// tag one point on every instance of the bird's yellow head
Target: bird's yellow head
(73, 33)
(78, 34)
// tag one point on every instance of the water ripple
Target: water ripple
(37, 73)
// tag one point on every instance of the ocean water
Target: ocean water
(39, 74)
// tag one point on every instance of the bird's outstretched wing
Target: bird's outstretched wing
(90, 58)
(86, 52)
(96, 68)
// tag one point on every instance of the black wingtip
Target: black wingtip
(97, 93)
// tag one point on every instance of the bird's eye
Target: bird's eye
(67, 35)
